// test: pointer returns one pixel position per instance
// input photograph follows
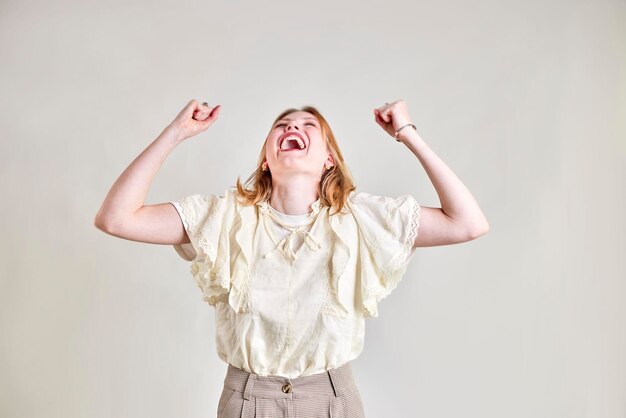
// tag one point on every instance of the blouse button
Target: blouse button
(287, 388)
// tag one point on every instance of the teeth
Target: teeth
(283, 145)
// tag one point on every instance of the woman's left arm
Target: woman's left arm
(460, 218)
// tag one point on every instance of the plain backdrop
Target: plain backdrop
(525, 101)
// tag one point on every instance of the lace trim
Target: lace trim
(414, 222)
(203, 267)
(395, 269)
(197, 234)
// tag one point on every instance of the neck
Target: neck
(294, 196)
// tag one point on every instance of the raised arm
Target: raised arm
(123, 213)
(459, 218)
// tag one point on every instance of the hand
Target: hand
(194, 118)
(392, 116)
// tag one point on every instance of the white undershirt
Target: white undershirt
(281, 232)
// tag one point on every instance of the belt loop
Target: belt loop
(335, 382)
(249, 385)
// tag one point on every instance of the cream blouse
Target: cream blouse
(294, 303)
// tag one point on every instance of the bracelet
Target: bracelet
(401, 128)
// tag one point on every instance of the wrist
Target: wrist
(173, 134)
(404, 130)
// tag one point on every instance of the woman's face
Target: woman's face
(295, 145)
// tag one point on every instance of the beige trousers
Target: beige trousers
(331, 394)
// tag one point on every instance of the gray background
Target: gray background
(525, 101)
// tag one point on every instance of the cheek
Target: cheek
(319, 149)
(270, 149)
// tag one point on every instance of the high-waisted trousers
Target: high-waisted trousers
(330, 394)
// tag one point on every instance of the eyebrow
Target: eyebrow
(305, 117)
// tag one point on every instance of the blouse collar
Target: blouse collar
(316, 206)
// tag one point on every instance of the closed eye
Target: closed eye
(308, 123)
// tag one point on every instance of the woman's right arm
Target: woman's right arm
(123, 213)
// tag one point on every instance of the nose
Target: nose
(293, 125)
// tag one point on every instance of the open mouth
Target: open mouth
(292, 142)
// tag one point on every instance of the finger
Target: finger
(187, 111)
(385, 115)
(212, 116)
(195, 110)
(200, 113)
(213, 113)
(192, 105)
(197, 106)
(216, 109)
(384, 125)
(378, 118)
(203, 111)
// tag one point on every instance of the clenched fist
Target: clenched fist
(194, 118)
(392, 116)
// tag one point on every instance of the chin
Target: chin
(291, 169)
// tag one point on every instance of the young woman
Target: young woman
(295, 260)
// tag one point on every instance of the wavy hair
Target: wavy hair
(335, 184)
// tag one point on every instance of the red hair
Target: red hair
(335, 184)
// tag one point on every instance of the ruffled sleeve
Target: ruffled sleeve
(387, 231)
(207, 220)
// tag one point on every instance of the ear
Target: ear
(330, 158)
